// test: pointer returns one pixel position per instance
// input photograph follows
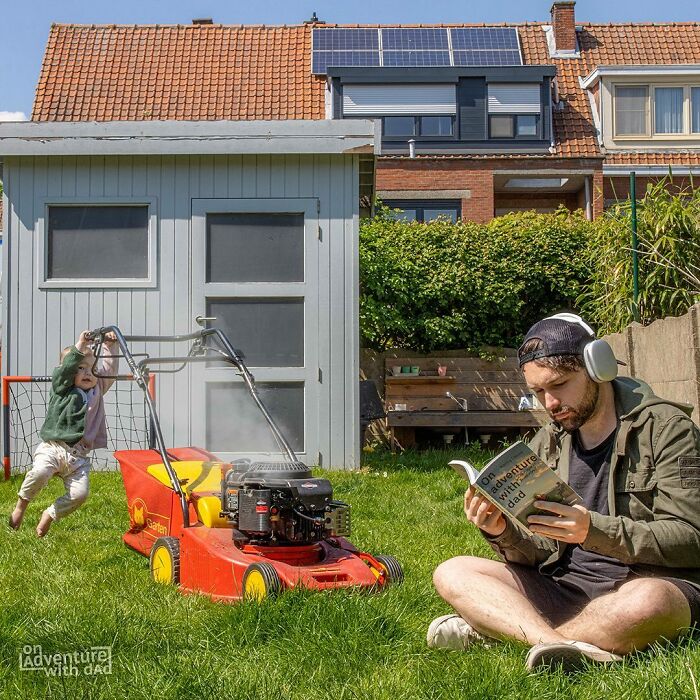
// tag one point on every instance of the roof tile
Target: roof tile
(256, 72)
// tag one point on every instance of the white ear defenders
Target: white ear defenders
(598, 356)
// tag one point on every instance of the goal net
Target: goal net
(24, 403)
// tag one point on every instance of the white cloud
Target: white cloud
(12, 116)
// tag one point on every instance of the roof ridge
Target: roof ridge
(198, 27)
(357, 25)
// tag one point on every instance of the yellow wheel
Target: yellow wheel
(165, 560)
(391, 567)
(261, 581)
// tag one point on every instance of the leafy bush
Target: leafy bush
(442, 285)
(668, 225)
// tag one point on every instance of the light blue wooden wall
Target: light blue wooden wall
(37, 322)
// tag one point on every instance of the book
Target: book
(514, 479)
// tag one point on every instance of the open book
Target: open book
(514, 479)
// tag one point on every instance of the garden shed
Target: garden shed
(152, 225)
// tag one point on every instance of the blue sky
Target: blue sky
(24, 26)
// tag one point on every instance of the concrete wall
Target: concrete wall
(666, 355)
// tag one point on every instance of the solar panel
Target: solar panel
(416, 58)
(493, 38)
(401, 39)
(345, 40)
(487, 58)
(416, 46)
(323, 60)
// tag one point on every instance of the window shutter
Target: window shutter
(516, 98)
(383, 100)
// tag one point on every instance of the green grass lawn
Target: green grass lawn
(81, 587)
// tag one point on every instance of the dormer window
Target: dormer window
(668, 110)
(407, 110)
(423, 125)
(656, 111)
(695, 109)
(631, 106)
(514, 110)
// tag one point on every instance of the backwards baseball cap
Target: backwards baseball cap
(563, 334)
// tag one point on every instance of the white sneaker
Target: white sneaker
(570, 656)
(452, 632)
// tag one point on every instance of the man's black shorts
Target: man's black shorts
(558, 602)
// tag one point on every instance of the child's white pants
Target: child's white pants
(58, 459)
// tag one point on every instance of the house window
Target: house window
(695, 109)
(514, 110)
(508, 126)
(436, 126)
(97, 243)
(631, 104)
(399, 126)
(425, 211)
(423, 125)
(668, 110)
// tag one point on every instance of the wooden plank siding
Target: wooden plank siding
(489, 393)
(38, 322)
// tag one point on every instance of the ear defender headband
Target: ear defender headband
(598, 357)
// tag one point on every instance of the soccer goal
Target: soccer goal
(24, 402)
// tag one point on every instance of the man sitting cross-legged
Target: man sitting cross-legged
(615, 574)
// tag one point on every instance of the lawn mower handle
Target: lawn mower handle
(140, 372)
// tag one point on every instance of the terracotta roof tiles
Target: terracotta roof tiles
(177, 72)
(264, 72)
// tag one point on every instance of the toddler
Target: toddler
(74, 425)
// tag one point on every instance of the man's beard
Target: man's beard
(581, 413)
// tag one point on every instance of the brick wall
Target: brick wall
(476, 176)
(618, 188)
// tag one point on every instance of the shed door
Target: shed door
(255, 268)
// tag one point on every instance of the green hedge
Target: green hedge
(442, 285)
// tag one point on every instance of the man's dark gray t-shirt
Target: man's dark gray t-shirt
(592, 573)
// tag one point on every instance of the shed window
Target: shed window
(97, 242)
(257, 247)
(233, 419)
(269, 331)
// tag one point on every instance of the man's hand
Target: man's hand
(568, 524)
(483, 513)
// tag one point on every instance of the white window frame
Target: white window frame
(42, 231)
(647, 133)
(684, 113)
(651, 133)
(690, 108)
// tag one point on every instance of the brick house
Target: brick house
(554, 123)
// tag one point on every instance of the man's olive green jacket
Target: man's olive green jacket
(653, 491)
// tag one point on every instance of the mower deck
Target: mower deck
(203, 557)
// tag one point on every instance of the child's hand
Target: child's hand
(83, 344)
(110, 338)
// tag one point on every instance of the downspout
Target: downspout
(589, 204)
(552, 148)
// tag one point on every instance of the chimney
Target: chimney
(203, 20)
(564, 26)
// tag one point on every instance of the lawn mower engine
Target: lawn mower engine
(279, 503)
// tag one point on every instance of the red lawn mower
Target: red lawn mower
(245, 529)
